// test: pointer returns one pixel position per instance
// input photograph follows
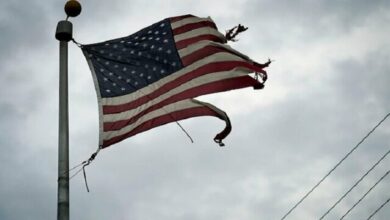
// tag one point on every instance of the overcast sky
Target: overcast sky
(328, 87)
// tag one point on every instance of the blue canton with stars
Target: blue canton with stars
(127, 64)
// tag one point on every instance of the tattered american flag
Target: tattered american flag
(150, 78)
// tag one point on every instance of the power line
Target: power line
(365, 194)
(354, 185)
(331, 171)
(377, 210)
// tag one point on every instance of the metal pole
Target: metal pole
(64, 35)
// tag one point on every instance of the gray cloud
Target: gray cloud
(327, 89)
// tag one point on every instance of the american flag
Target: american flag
(150, 78)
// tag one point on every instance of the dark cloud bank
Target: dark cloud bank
(276, 152)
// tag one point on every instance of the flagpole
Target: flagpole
(64, 35)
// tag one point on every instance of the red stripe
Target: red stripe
(203, 70)
(207, 51)
(218, 86)
(178, 18)
(184, 43)
(192, 26)
(164, 119)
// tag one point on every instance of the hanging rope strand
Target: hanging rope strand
(184, 130)
(354, 185)
(338, 164)
(365, 194)
(88, 162)
(377, 210)
(84, 164)
(85, 179)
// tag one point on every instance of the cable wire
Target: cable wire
(377, 210)
(331, 171)
(354, 185)
(365, 194)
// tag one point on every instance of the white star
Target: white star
(132, 51)
(169, 51)
(160, 49)
(162, 71)
(154, 68)
(139, 53)
(105, 79)
(156, 32)
(162, 25)
(136, 83)
(141, 75)
(157, 58)
(133, 71)
(174, 64)
(165, 40)
(107, 63)
(98, 59)
(164, 33)
(90, 55)
(146, 66)
(152, 47)
(129, 42)
(136, 37)
(123, 89)
(124, 49)
(157, 38)
(116, 66)
(119, 57)
(108, 91)
(111, 54)
(110, 73)
(119, 77)
(150, 38)
(149, 77)
(102, 51)
(101, 70)
(145, 45)
(150, 31)
(114, 84)
(115, 46)
(122, 41)
(143, 38)
(128, 80)
(107, 44)
(136, 43)
(124, 69)
(165, 61)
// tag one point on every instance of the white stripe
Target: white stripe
(202, 80)
(198, 32)
(190, 20)
(218, 57)
(99, 97)
(181, 105)
(204, 43)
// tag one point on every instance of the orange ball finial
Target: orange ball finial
(72, 8)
